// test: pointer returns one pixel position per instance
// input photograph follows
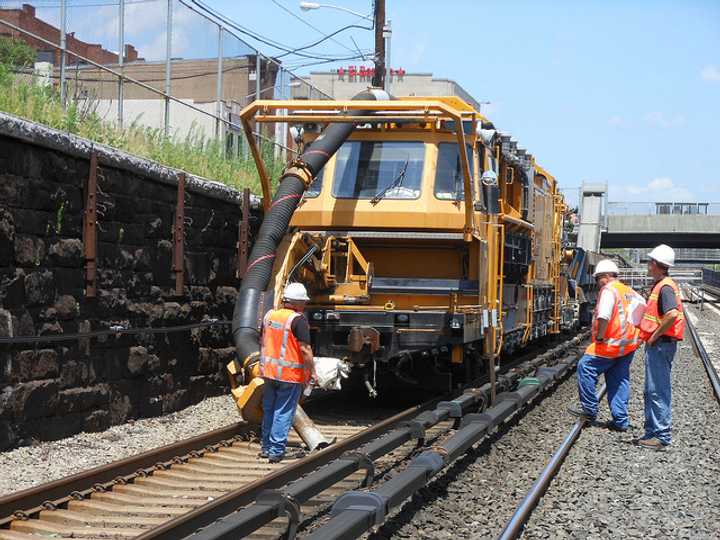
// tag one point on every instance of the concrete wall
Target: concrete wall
(687, 231)
(51, 390)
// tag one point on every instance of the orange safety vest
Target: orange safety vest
(651, 319)
(280, 355)
(621, 336)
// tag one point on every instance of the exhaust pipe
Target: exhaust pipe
(248, 312)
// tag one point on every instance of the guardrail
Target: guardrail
(662, 208)
(711, 277)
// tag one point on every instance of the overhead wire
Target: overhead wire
(310, 25)
(275, 44)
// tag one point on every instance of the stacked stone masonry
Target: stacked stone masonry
(49, 391)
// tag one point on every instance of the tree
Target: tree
(17, 53)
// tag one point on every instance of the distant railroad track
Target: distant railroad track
(176, 490)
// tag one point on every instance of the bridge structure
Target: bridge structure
(681, 225)
(692, 228)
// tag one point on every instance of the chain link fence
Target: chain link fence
(183, 75)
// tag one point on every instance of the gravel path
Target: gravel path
(610, 488)
(477, 494)
(31, 465)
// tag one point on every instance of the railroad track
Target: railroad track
(134, 496)
(514, 527)
(174, 491)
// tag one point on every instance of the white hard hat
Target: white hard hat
(606, 266)
(296, 291)
(663, 254)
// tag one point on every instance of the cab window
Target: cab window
(449, 184)
(372, 169)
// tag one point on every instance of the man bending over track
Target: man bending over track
(286, 365)
(614, 341)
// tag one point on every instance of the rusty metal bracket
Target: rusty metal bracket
(179, 237)
(243, 236)
(90, 229)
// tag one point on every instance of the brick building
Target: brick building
(25, 18)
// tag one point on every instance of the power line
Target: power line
(308, 24)
(267, 41)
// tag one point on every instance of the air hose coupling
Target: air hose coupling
(297, 168)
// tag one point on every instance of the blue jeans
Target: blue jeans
(280, 400)
(617, 378)
(658, 390)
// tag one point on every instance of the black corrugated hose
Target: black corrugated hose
(257, 276)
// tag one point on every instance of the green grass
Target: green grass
(193, 153)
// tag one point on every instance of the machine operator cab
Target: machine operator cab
(402, 269)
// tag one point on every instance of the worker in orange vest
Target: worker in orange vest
(614, 341)
(662, 326)
(286, 365)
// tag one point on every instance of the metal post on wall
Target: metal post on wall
(219, 88)
(168, 68)
(63, 46)
(121, 60)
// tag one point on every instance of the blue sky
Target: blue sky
(626, 92)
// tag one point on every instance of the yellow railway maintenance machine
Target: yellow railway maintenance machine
(429, 242)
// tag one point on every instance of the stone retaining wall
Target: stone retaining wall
(53, 390)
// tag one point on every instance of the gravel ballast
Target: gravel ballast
(31, 465)
(476, 495)
(607, 488)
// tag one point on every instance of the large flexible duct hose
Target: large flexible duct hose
(260, 264)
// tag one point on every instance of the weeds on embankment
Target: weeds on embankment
(193, 153)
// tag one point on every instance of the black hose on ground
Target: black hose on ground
(246, 319)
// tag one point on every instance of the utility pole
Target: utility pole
(379, 78)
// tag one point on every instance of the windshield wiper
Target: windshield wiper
(397, 182)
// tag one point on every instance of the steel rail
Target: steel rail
(268, 505)
(516, 523)
(702, 353)
(230, 502)
(30, 500)
(356, 512)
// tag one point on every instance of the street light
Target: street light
(383, 31)
(307, 6)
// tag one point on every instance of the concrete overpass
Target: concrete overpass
(681, 225)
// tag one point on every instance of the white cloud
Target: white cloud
(710, 73)
(662, 120)
(661, 189)
(657, 184)
(616, 121)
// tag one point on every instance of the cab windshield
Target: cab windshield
(369, 169)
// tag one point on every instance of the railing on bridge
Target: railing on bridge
(696, 255)
(662, 208)
(638, 278)
(711, 277)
